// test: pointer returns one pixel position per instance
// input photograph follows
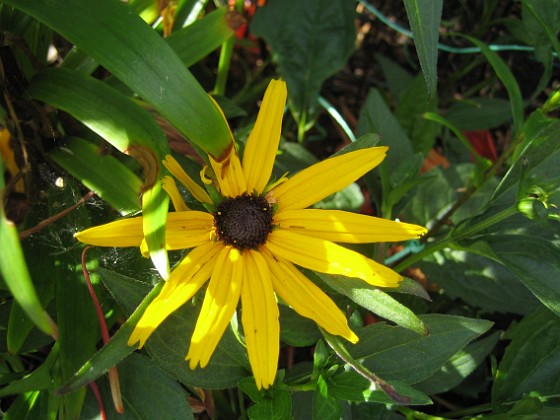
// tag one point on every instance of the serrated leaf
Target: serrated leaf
(531, 361)
(479, 113)
(325, 407)
(292, 29)
(277, 407)
(396, 353)
(424, 17)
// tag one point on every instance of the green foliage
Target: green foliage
(97, 92)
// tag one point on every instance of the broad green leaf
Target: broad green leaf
(134, 53)
(461, 365)
(376, 117)
(194, 42)
(376, 301)
(297, 33)
(547, 15)
(14, 269)
(296, 330)
(398, 79)
(424, 17)
(147, 393)
(273, 404)
(479, 113)
(507, 78)
(168, 345)
(414, 102)
(98, 172)
(535, 261)
(478, 282)
(532, 359)
(324, 405)
(395, 353)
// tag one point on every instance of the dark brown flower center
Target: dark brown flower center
(244, 221)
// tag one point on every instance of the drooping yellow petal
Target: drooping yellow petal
(185, 280)
(229, 175)
(218, 307)
(306, 298)
(342, 226)
(326, 177)
(178, 172)
(188, 229)
(172, 191)
(260, 319)
(328, 257)
(262, 144)
(121, 233)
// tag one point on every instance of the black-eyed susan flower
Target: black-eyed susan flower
(250, 242)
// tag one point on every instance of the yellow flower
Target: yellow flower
(251, 241)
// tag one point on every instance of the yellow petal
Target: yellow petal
(260, 319)
(326, 177)
(178, 172)
(328, 257)
(306, 298)
(262, 144)
(185, 280)
(188, 229)
(170, 188)
(229, 174)
(342, 226)
(218, 307)
(122, 233)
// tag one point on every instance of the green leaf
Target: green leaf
(461, 365)
(14, 269)
(147, 393)
(128, 127)
(535, 261)
(114, 351)
(297, 33)
(325, 406)
(479, 113)
(104, 110)
(273, 404)
(415, 101)
(507, 78)
(396, 353)
(196, 41)
(98, 172)
(478, 282)
(376, 117)
(144, 62)
(531, 360)
(296, 330)
(376, 301)
(538, 156)
(169, 343)
(424, 17)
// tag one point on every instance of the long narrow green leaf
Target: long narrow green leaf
(195, 41)
(424, 17)
(128, 127)
(507, 78)
(126, 46)
(14, 268)
(98, 172)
